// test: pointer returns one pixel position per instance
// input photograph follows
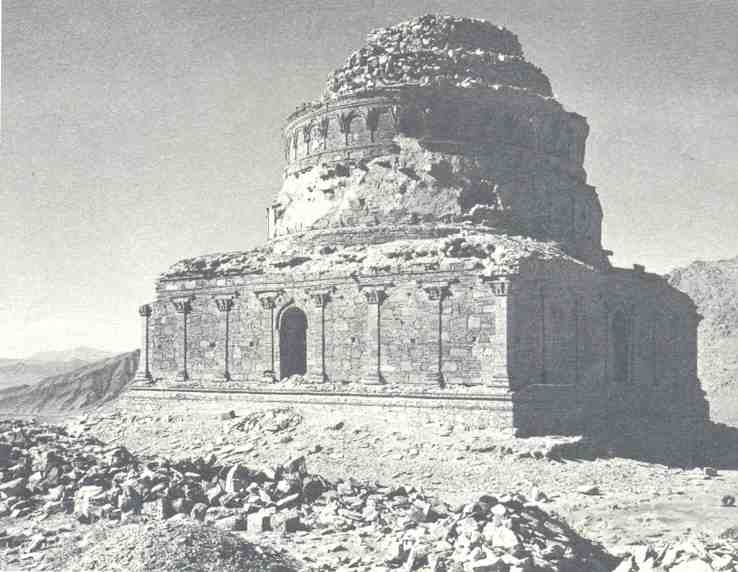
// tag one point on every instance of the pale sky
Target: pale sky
(139, 132)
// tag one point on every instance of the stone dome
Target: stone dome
(438, 121)
(438, 51)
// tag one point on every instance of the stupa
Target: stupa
(434, 244)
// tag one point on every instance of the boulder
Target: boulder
(288, 501)
(213, 495)
(288, 485)
(181, 505)
(285, 521)
(501, 536)
(159, 509)
(198, 511)
(488, 564)
(312, 488)
(296, 465)
(234, 522)
(14, 487)
(87, 501)
(258, 522)
(237, 479)
(130, 500)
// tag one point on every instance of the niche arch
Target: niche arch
(621, 346)
(292, 342)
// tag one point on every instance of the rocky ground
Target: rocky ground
(273, 490)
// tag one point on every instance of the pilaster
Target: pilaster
(183, 305)
(268, 301)
(224, 303)
(375, 294)
(436, 292)
(316, 369)
(143, 373)
(497, 358)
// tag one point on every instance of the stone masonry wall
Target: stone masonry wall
(364, 127)
(564, 322)
(547, 335)
(411, 337)
(553, 326)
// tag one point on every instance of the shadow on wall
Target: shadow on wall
(720, 446)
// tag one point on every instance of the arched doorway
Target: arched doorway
(293, 343)
(621, 346)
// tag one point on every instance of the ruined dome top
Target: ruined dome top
(438, 50)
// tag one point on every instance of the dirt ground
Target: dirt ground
(636, 501)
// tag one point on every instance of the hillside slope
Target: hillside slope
(88, 386)
(26, 371)
(714, 288)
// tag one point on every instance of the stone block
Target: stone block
(289, 500)
(285, 521)
(234, 522)
(258, 522)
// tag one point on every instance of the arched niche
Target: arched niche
(292, 342)
(621, 347)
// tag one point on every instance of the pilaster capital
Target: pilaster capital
(436, 291)
(268, 298)
(319, 297)
(224, 302)
(182, 305)
(144, 311)
(500, 286)
(374, 293)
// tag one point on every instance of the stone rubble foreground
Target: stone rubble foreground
(47, 470)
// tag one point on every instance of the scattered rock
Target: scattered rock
(692, 566)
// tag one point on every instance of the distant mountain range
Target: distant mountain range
(80, 353)
(87, 386)
(30, 370)
(714, 288)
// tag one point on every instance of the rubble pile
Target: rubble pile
(167, 546)
(269, 420)
(46, 470)
(489, 253)
(439, 51)
(692, 554)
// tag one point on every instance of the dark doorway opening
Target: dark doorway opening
(293, 343)
(621, 346)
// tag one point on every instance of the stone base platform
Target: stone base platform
(533, 411)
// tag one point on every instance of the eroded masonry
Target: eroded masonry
(435, 244)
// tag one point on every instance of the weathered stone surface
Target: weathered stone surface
(434, 232)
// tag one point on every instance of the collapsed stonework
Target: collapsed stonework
(435, 244)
